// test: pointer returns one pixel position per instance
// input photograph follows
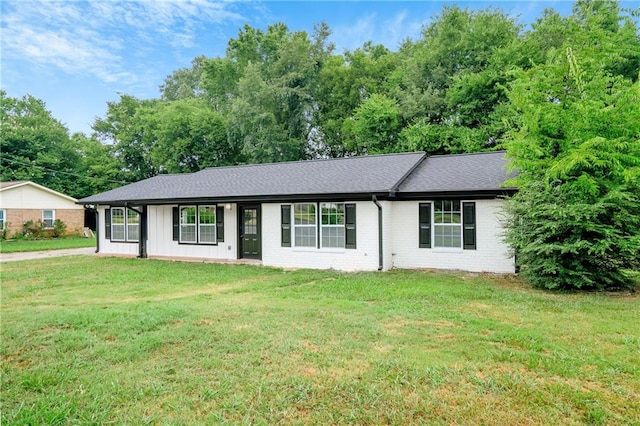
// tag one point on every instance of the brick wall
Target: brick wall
(14, 218)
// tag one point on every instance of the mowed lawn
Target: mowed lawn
(94, 340)
(15, 246)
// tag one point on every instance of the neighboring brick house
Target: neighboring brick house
(360, 213)
(21, 201)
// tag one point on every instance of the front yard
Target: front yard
(131, 341)
(15, 246)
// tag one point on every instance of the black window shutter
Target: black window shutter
(220, 224)
(285, 220)
(176, 224)
(424, 225)
(469, 226)
(107, 223)
(350, 226)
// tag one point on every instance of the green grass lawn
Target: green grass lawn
(89, 340)
(14, 246)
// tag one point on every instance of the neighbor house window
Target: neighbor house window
(198, 224)
(304, 225)
(453, 224)
(48, 217)
(125, 225)
(332, 224)
(2, 219)
(337, 225)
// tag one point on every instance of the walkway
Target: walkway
(30, 255)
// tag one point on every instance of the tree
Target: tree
(35, 146)
(575, 222)
(375, 126)
(185, 82)
(128, 129)
(189, 136)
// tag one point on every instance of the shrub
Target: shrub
(4, 232)
(33, 229)
(59, 228)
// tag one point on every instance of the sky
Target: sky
(76, 55)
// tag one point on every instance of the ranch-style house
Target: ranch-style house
(363, 213)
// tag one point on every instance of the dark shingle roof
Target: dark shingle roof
(458, 173)
(367, 174)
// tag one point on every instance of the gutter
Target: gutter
(380, 247)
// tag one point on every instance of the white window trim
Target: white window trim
(207, 225)
(297, 226)
(197, 226)
(4, 219)
(53, 218)
(434, 225)
(328, 226)
(125, 224)
(318, 228)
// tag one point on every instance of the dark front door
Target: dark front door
(250, 232)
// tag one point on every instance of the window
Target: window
(188, 224)
(447, 224)
(197, 225)
(453, 224)
(48, 217)
(304, 225)
(337, 225)
(125, 224)
(332, 224)
(207, 224)
(2, 219)
(133, 225)
(117, 224)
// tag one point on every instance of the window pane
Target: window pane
(187, 215)
(117, 216)
(207, 224)
(188, 233)
(305, 236)
(208, 233)
(117, 232)
(304, 214)
(133, 232)
(332, 230)
(447, 236)
(207, 215)
(132, 217)
(333, 236)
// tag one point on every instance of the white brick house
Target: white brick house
(360, 213)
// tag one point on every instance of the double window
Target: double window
(453, 223)
(198, 224)
(122, 224)
(319, 225)
(48, 217)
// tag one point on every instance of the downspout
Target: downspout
(95, 212)
(97, 230)
(380, 246)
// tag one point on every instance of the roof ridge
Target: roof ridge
(466, 154)
(315, 160)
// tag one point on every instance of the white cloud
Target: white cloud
(95, 38)
(389, 32)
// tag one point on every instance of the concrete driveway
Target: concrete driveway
(30, 255)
